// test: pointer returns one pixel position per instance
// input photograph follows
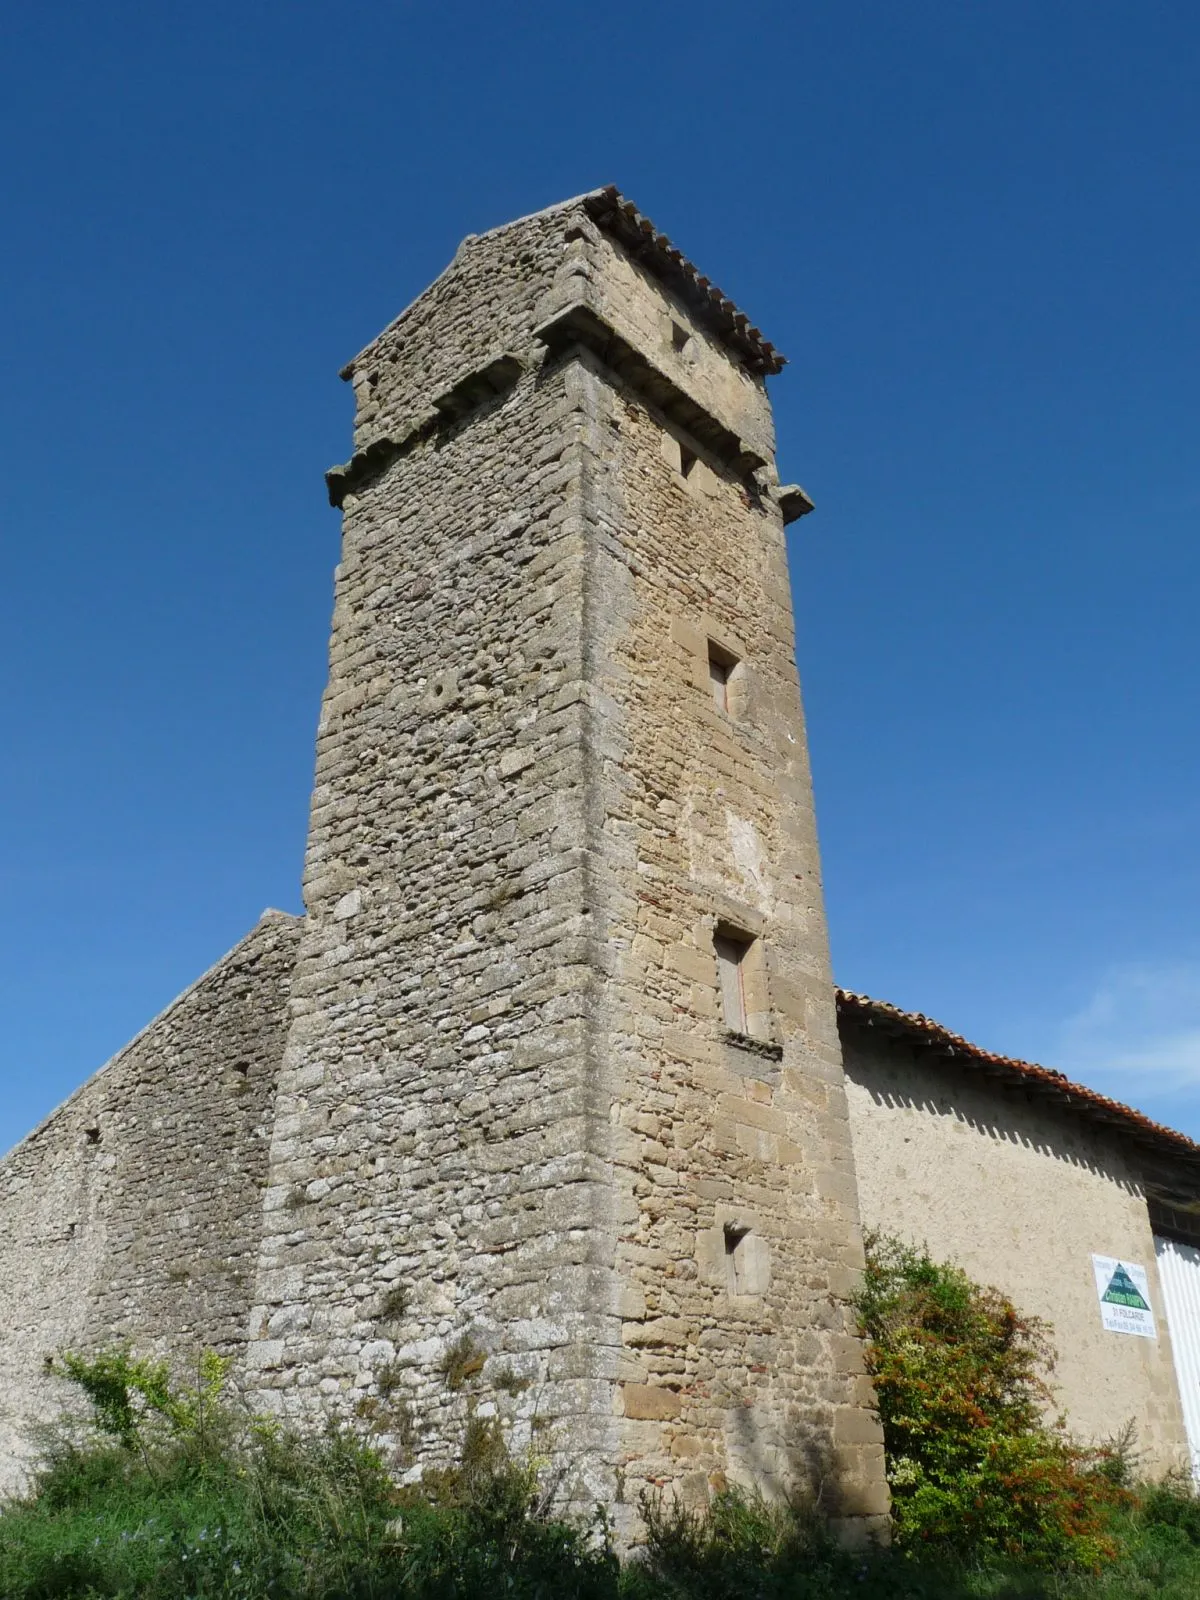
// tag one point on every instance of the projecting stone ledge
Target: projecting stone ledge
(474, 390)
(578, 325)
(793, 502)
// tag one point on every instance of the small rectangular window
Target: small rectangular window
(731, 966)
(721, 664)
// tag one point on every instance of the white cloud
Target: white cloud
(1138, 1035)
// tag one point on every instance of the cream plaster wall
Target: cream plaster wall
(1020, 1194)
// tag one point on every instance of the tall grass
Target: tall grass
(172, 1494)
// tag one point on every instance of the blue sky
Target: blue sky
(973, 228)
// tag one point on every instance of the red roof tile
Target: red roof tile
(1044, 1081)
(609, 208)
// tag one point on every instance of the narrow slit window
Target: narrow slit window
(680, 338)
(747, 1260)
(735, 1256)
(721, 664)
(731, 967)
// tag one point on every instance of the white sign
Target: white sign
(1124, 1293)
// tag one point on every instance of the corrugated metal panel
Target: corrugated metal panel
(1179, 1274)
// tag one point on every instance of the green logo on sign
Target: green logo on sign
(1122, 1291)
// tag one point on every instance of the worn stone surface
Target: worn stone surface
(507, 1084)
(527, 1155)
(1021, 1194)
(133, 1211)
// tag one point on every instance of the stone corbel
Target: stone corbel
(792, 501)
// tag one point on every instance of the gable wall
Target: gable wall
(134, 1211)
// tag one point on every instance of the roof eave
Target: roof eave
(1044, 1081)
(610, 210)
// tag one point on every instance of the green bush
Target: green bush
(170, 1492)
(976, 1469)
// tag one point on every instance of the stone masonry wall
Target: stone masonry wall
(433, 1201)
(511, 1135)
(708, 824)
(1021, 1195)
(482, 305)
(133, 1211)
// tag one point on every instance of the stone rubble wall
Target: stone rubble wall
(484, 304)
(599, 273)
(509, 1130)
(708, 819)
(433, 1201)
(133, 1212)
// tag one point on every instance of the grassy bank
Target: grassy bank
(166, 1490)
(269, 1516)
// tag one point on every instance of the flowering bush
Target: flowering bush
(976, 1465)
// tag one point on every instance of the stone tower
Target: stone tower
(560, 1128)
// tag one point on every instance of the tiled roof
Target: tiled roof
(1042, 1081)
(609, 208)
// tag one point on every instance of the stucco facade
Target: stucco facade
(1021, 1192)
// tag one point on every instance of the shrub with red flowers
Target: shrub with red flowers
(977, 1465)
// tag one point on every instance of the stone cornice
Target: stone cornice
(580, 326)
(470, 393)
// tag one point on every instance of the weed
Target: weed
(393, 1306)
(389, 1378)
(463, 1360)
(510, 1382)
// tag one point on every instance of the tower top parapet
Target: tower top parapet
(618, 217)
(609, 208)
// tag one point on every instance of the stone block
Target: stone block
(649, 1402)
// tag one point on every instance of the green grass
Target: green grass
(170, 1493)
(284, 1518)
